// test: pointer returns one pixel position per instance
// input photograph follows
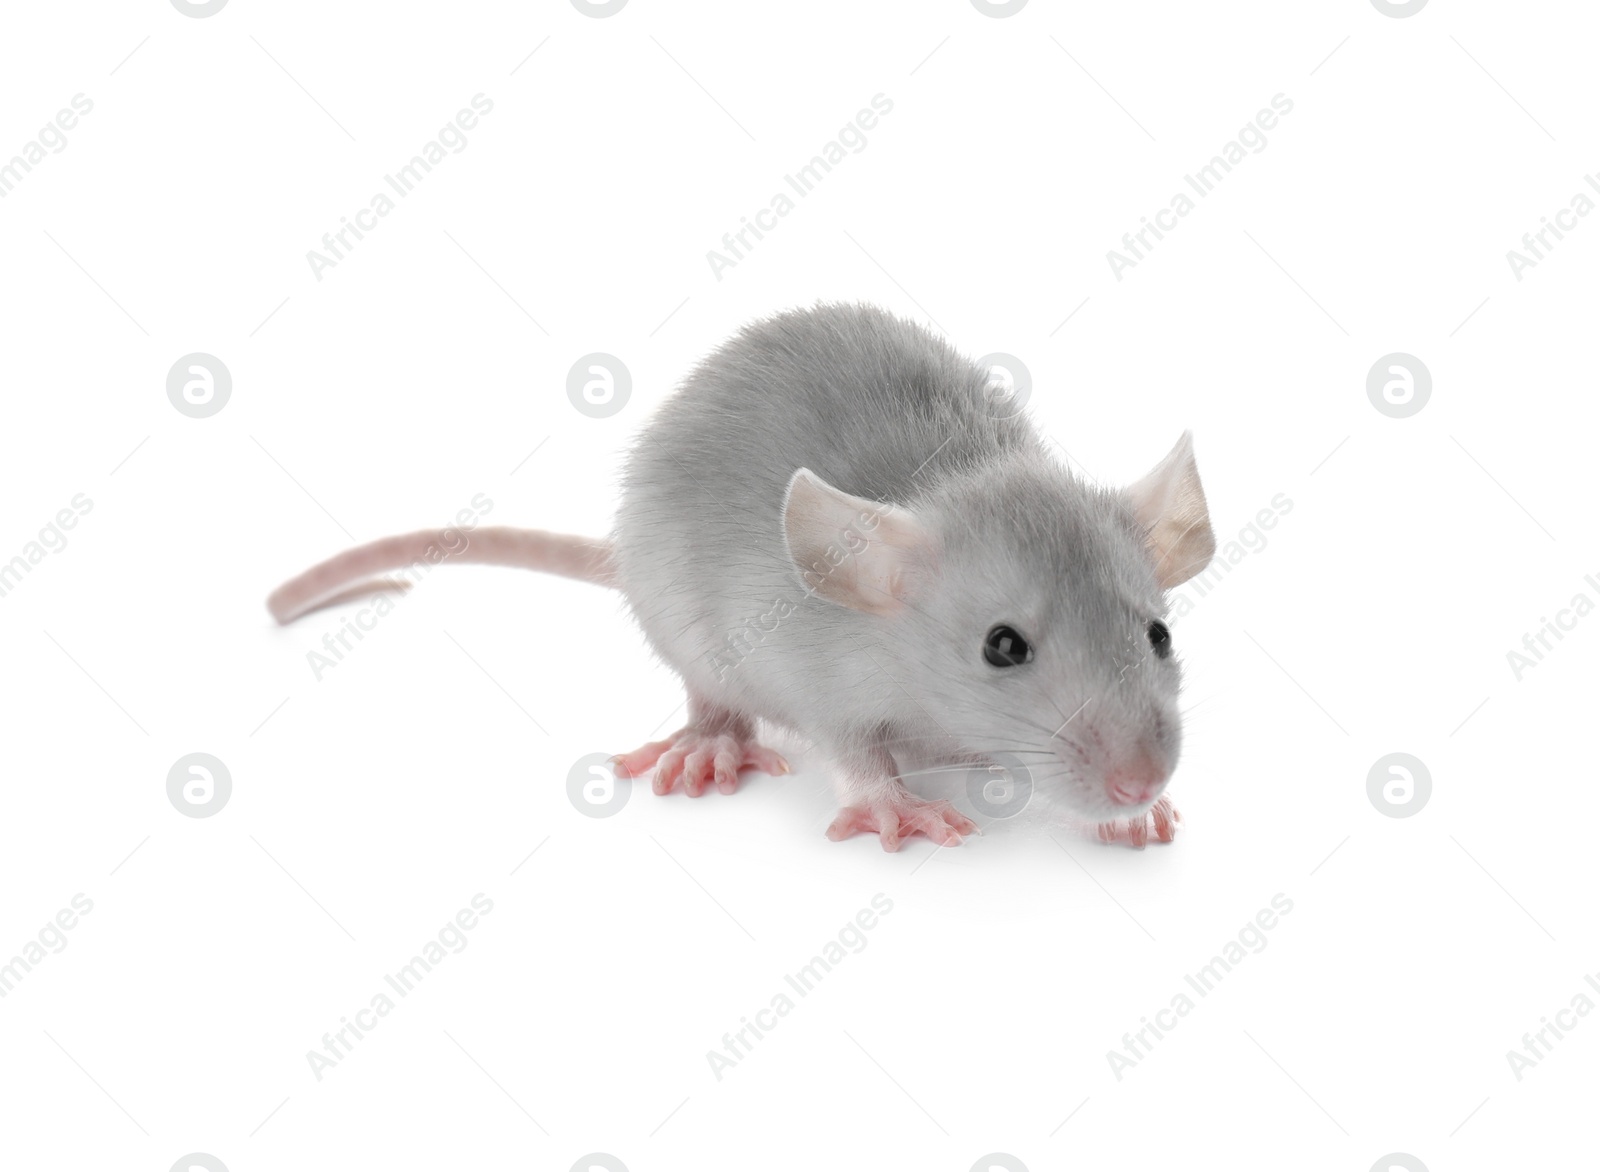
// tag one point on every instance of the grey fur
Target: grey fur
(882, 409)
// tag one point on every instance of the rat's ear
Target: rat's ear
(1171, 508)
(850, 550)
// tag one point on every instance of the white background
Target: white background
(369, 806)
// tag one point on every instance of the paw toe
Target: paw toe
(764, 759)
(849, 821)
(1165, 818)
(959, 822)
(668, 770)
(697, 772)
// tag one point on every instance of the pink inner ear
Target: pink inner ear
(1171, 506)
(1153, 493)
(852, 551)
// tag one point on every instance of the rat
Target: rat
(837, 526)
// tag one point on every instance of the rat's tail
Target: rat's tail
(356, 571)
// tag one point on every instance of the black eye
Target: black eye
(1003, 647)
(1160, 639)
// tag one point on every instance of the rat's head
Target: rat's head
(1023, 612)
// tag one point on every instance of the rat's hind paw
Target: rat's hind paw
(1163, 817)
(900, 816)
(698, 759)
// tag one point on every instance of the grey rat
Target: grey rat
(834, 525)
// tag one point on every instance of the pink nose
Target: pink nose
(1135, 782)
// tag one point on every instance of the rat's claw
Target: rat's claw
(762, 758)
(638, 762)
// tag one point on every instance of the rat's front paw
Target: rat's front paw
(1162, 817)
(902, 816)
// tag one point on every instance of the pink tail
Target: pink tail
(353, 572)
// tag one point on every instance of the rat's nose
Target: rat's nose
(1136, 781)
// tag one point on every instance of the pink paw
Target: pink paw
(1163, 817)
(903, 816)
(699, 759)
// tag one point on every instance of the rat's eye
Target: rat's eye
(1003, 647)
(1160, 639)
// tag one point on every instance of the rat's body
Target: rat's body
(893, 565)
(874, 406)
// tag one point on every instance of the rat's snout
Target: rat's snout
(1136, 781)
